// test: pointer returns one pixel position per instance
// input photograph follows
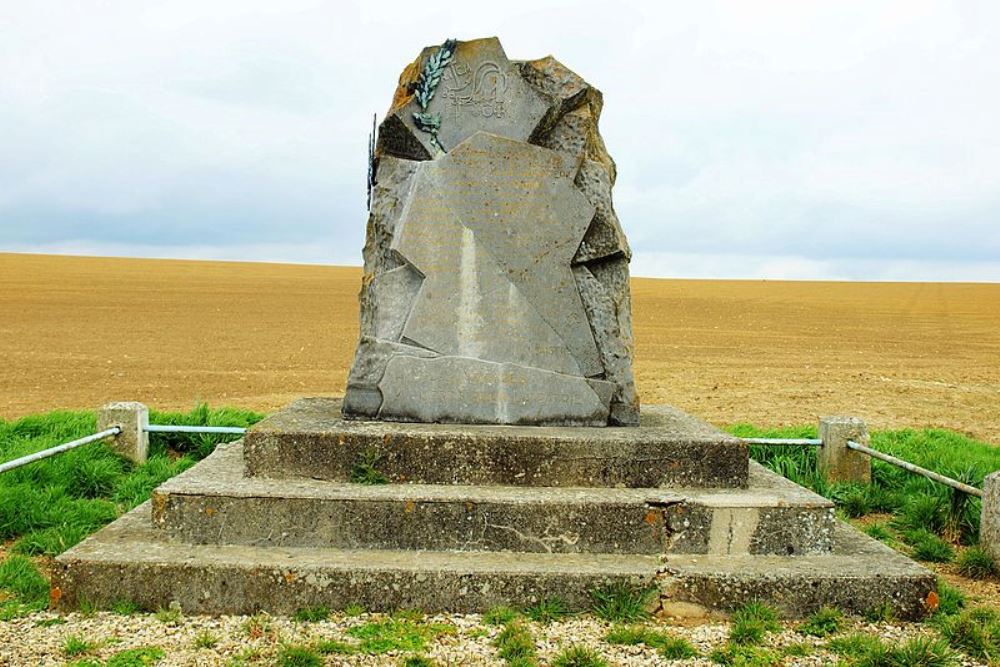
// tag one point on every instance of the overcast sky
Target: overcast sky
(754, 139)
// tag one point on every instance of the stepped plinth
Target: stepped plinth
(248, 529)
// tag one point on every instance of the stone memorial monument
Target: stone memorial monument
(496, 273)
(464, 468)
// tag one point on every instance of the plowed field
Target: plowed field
(76, 332)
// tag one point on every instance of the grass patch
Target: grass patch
(927, 546)
(51, 505)
(515, 645)
(950, 599)
(825, 622)
(880, 532)
(334, 647)
(547, 610)
(579, 656)
(136, 657)
(670, 647)
(172, 615)
(257, 626)
(621, 603)
(976, 563)
(124, 607)
(353, 610)
(21, 579)
(395, 634)
(312, 614)
(299, 656)
(75, 645)
(752, 622)
(418, 661)
(205, 639)
(365, 470)
(975, 632)
(740, 655)
(501, 615)
(881, 613)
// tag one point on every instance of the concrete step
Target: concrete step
(142, 565)
(309, 440)
(859, 575)
(215, 503)
(129, 560)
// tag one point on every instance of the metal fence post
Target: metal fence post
(132, 418)
(989, 521)
(837, 462)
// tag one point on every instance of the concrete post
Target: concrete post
(837, 463)
(989, 521)
(131, 418)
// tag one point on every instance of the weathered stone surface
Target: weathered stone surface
(616, 356)
(604, 237)
(214, 503)
(470, 249)
(493, 226)
(307, 439)
(481, 91)
(471, 391)
(363, 397)
(989, 526)
(132, 418)
(557, 81)
(130, 560)
(860, 575)
(836, 461)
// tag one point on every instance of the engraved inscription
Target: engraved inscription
(483, 88)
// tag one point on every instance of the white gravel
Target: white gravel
(38, 640)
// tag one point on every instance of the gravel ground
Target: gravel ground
(39, 639)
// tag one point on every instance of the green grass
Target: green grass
(515, 645)
(976, 563)
(975, 632)
(365, 469)
(50, 505)
(927, 546)
(950, 599)
(397, 634)
(312, 614)
(501, 615)
(752, 622)
(547, 610)
(205, 639)
(918, 505)
(75, 645)
(621, 603)
(299, 656)
(825, 622)
(669, 647)
(579, 656)
(417, 661)
(353, 610)
(739, 655)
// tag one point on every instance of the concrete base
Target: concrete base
(308, 439)
(215, 503)
(218, 539)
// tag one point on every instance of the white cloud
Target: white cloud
(848, 139)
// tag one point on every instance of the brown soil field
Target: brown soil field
(79, 331)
